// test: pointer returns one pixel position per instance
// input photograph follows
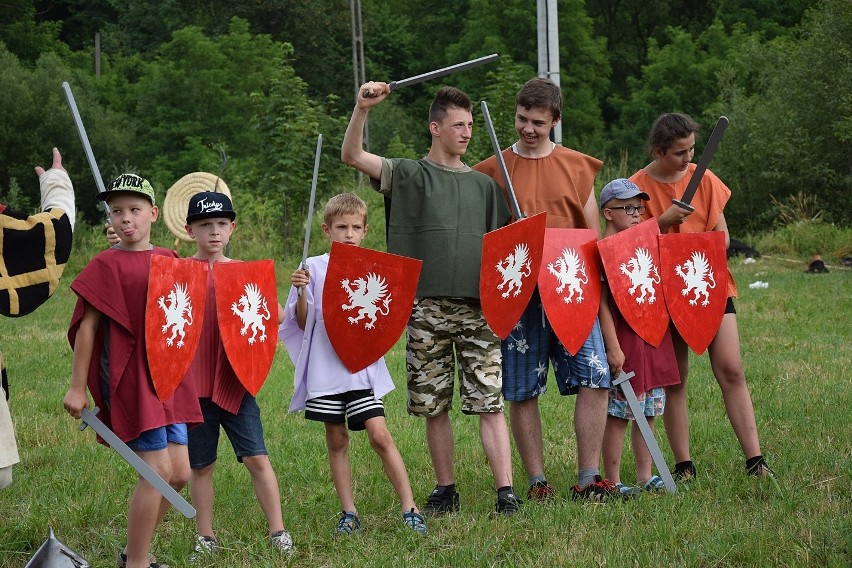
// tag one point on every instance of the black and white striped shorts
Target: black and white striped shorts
(353, 407)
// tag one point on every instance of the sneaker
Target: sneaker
(348, 523)
(441, 502)
(656, 483)
(760, 469)
(627, 491)
(415, 522)
(121, 561)
(598, 490)
(683, 472)
(540, 491)
(508, 504)
(204, 546)
(282, 541)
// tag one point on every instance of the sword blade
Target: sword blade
(84, 138)
(498, 153)
(443, 71)
(148, 474)
(623, 381)
(703, 162)
(309, 223)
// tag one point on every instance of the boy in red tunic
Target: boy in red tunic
(107, 334)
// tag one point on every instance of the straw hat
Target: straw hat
(177, 199)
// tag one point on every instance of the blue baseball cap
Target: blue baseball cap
(621, 189)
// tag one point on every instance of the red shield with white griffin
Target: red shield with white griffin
(631, 260)
(366, 302)
(695, 283)
(174, 314)
(511, 258)
(569, 283)
(247, 308)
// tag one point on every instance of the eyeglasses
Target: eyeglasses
(630, 209)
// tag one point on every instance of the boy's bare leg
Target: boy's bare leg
(495, 441)
(439, 436)
(613, 443)
(525, 420)
(145, 510)
(676, 417)
(589, 424)
(641, 453)
(726, 362)
(202, 494)
(383, 444)
(337, 443)
(266, 490)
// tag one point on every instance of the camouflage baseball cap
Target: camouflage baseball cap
(129, 183)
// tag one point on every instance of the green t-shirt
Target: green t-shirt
(439, 216)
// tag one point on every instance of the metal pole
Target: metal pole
(548, 50)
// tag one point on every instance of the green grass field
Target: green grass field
(796, 344)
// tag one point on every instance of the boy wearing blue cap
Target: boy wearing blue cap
(654, 367)
(225, 402)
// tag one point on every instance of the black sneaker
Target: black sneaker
(508, 504)
(599, 490)
(684, 472)
(441, 502)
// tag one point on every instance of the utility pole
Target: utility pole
(358, 57)
(548, 51)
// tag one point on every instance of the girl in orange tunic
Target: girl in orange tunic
(672, 146)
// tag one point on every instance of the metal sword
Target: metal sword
(623, 381)
(703, 162)
(498, 153)
(89, 419)
(84, 138)
(309, 223)
(393, 85)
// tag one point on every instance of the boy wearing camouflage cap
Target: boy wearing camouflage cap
(107, 335)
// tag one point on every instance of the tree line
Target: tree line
(246, 86)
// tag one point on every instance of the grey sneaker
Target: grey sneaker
(204, 546)
(415, 522)
(282, 541)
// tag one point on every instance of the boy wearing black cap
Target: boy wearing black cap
(224, 400)
(107, 334)
(654, 367)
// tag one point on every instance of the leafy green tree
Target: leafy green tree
(792, 129)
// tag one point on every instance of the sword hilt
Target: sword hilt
(683, 205)
(83, 422)
(623, 377)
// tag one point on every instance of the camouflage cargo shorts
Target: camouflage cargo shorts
(440, 331)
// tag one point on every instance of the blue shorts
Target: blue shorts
(532, 344)
(354, 407)
(243, 429)
(159, 438)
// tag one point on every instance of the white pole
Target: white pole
(548, 50)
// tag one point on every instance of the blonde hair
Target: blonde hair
(344, 204)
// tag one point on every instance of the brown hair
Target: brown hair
(668, 128)
(541, 93)
(344, 204)
(445, 98)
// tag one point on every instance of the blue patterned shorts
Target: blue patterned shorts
(653, 403)
(533, 344)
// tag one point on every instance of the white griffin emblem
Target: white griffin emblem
(365, 297)
(252, 306)
(178, 313)
(514, 269)
(571, 273)
(641, 270)
(693, 273)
